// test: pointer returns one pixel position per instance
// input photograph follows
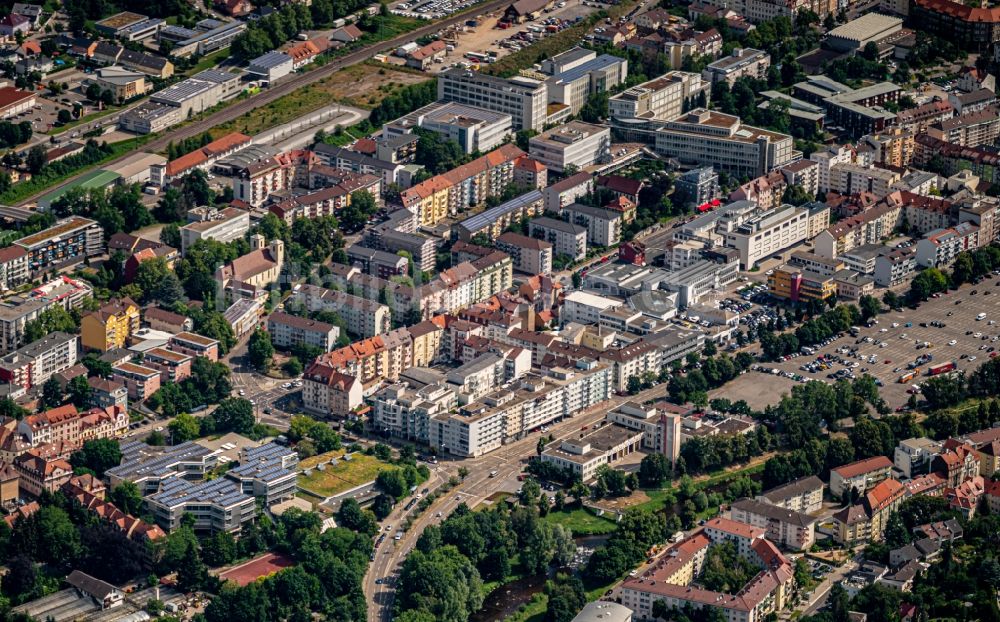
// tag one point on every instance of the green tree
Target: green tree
(79, 391)
(260, 352)
(654, 470)
(443, 583)
(127, 498)
(234, 414)
(98, 455)
(183, 428)
(351, 516)
(392, 482)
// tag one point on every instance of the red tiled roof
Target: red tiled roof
(863, 466)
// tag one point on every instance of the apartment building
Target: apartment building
(173, 366)
(862, 475)
(36, 362)
(140, 381)
(110, 326)
(13, 267)
(506, 415)
(939, 248)
(288, 331)
(66, 243)
(566, 238)
(742, 62)
(974, 28)
(583, 456)
(365, 318)
(913, 456)
(969, 130)
(194, 344)
(826, 159)
(255, 183)
(108, 394)
(327, 391)
(803, 495)
(406, 413)
(793, 530)
(375, 359)
(16, 311)
(868, 227)
(663, 98)
(462, 187)
(893, 147)
(604, 226)
(529, 255)
(495, 220)
(524, 99)
(56, 425)
(575, 145)
(378, 263)
(706, 137)
(854, 178)
(223, 225)
(37, 474)
(566, 191)
(895, 267)
(866, 521)
(771, 232)
(202, 158)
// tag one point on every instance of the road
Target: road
(291, 85)
(508, 462)
(815, 603)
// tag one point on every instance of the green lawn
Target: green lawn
(207, 62)
(346, 474)
(582, 522)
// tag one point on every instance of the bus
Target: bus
(908, 376)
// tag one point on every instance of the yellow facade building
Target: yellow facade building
(110, 326)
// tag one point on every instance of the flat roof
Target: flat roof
(865, 27)
(71, 224)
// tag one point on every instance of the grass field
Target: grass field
(346, 474)
(363, 85)
(582, 522)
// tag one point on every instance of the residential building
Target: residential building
(495, 220)
(566, 238)
(803, 495)
(697, 186)
(378, 263)
(788, 528)
(974, 28)
(529, 255)
(741, 63)
(604, 226)
(866, 521)
(862, 475)
(244, 316)
(462, 187)
(173, 366)
(711, 138)
(939, 248)
(141, 382)
(108, 394)
(288, 331)
(110, 326)
(566, 191)
(37, 474)
(194, 344)
(584, 455)
(363, 317)
(36, 362)
(203, 158)
(13, 267)
(575, 145)
(16, 311)
(327, 391)
(524, 99)
(68, 242)
(854, 178)
(406, 413)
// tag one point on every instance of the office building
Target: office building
(524, 99)
(474, 129)
(573, 86)
(771, 232)
(706, 137)
(575, 144)
(584, 455)
(796, 284)
(741, 63)
(663, 98)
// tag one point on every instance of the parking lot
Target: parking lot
(942, 323)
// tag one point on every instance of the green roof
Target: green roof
(94, 179)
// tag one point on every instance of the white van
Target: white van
(980, 317)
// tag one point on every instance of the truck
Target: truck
(908, 376)
(940, 368)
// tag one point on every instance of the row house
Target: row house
(61, 424)
(462, 187)
(383, 357)
(327, 391)
(106, 422)
(363, 317)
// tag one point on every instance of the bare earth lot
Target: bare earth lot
(759, 390)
